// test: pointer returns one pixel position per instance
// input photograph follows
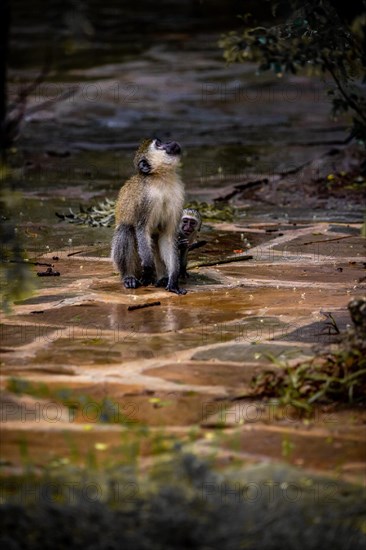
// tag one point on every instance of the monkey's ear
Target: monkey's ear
(144, 167)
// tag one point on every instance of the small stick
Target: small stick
(330, 240)
(141, 306)
(77, 252)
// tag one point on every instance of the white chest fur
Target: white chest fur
(166, 203)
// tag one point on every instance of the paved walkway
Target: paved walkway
(184, 368)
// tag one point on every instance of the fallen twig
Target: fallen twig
(77, 252)
(329, 240)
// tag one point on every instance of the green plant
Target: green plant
(336, 376)
(102, 215)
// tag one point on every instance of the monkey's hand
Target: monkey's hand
(197, 244)
(147, 276)
(183, 244)
(131, 282)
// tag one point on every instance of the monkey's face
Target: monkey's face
(156, 154)
(189, 226)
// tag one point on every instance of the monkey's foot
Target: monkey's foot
(147, 276)
(131, 282)
(176, 290)
(162, 283)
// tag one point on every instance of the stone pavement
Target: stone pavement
(181, 371)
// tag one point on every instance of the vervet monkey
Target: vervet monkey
(148, 212)
(189, 226)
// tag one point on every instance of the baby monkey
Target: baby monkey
(148, 213)
(190, 224)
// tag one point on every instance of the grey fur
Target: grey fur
(124, 246)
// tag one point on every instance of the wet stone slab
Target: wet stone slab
(97, 317)
(321, 332)
(296, 447)
(108, 404)
(207, 373)
(251, 353)
(74, 270)
(326, 245)
(338, 272)
(15, 335)
(46, 298)
(54, 355)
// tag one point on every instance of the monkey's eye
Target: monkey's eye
(144, 167)
(158, 142)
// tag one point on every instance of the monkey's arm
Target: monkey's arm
(183, 259)
(197, 244)
(184, 247)
(183, 243)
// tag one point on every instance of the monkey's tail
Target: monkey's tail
(123, 251)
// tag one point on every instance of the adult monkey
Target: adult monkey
(148, 212)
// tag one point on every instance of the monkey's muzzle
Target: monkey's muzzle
(171, 148)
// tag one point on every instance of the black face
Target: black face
(189, 225)
(144, 167)
(171, 147)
